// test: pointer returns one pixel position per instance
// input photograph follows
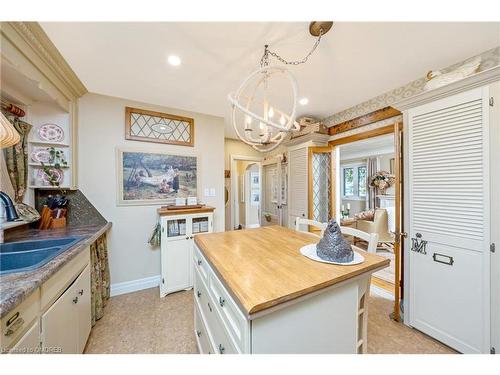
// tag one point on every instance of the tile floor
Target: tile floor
(141, 322)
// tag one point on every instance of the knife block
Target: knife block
(48, 221)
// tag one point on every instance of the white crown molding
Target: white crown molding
(476, 80)
(30, 39)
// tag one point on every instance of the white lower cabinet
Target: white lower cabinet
(177, 241)
(66, 324)
(29, 343)
(55, 318)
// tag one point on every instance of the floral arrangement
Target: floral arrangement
(382, 180)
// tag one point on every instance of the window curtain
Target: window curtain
(99, 277)
(371, 196)
(16, 158)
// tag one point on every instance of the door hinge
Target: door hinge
(163, 229)
(492, 350)
(492, 102)
(492, 247)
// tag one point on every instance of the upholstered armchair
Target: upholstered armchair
(379, 225)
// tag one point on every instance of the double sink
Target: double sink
(29, 255)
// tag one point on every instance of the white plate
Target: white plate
(310, 252)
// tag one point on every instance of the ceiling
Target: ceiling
(383, 144)
(353, 63)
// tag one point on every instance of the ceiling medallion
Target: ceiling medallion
(260, 119)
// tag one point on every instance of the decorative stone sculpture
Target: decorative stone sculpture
(333, 247)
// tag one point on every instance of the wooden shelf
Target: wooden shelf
(55, 144)
(48, 187)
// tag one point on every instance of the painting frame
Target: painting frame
(121, 201)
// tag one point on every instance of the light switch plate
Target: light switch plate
(207, 192)
(212, 192)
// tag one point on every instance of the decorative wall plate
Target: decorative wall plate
(40, 155)
(310, 252)
(57, 173)
(51, 133)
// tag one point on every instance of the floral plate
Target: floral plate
(51, 133)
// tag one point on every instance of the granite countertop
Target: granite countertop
(16, 287)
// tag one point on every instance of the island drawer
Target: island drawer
(204, 343)
(201, 265)
(205, 305)
(232, 318)
(216, 330)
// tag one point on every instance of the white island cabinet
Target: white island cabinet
(178, 228)
(255, 293)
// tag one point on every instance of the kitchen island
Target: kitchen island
(256, 293)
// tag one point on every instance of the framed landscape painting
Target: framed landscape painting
(155, 178)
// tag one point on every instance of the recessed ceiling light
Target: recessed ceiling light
(174, 60)
(303, 101)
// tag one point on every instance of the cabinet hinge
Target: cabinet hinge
(492, 350)
(162, 280)
(492, 102)
(492, 247)
(163, 229)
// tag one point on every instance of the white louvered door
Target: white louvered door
(297, 187)
(448, 191)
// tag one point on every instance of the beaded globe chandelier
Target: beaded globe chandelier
(260, 115)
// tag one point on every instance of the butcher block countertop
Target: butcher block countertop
(263, 267)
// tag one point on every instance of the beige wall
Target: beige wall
(235, 147)
(101, 132)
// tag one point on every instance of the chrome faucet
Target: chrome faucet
(10, 210)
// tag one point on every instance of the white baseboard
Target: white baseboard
(381, 292)
(134, 285)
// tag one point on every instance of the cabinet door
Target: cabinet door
(59, 325)
(29, 343)
(449, 220)
(82, 292)
(298, 189)
(176, 262)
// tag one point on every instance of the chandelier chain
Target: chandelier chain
(264, 61)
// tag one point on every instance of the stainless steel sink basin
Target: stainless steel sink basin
(29, 255)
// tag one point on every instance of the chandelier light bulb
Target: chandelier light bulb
(282, 120)
(270, 112)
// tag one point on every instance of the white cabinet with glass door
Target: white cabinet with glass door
(177, 234)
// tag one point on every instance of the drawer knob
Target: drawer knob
(80, 292)
(75, 300)
(198, 293)
(198, 333)
(222, 302)
(221, 349)
(199, 262)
